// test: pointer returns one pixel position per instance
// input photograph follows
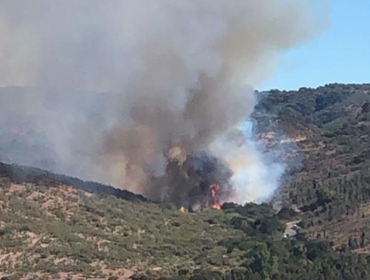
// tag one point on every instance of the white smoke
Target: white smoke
(257, 172)
(181, 72)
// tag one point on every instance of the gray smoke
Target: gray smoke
(117, 88)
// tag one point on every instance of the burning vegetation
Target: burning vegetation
(200, 181)
(214, 203)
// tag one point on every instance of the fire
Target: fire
(214, 203)
(216, 206)
(214, 189)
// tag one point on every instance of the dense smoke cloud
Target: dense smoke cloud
(178, 77)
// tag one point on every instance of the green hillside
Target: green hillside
(51, 230)
(56, 227)
(329, 177)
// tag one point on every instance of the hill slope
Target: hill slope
(57, 227)
(60, 232)
(330, 183)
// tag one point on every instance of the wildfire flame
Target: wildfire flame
(214, 204)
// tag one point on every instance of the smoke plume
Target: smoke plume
(119, 91)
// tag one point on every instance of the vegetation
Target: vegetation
(329, 176)
(58, 227)
(53, 230)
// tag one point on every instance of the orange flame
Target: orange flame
(214, 192)
(216, 206)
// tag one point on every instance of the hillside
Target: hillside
(57, 227)
(329, 176)
(61, 232)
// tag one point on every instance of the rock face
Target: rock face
(291, 229)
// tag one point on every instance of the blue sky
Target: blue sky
(341, 53)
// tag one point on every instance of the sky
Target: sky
(341, 54)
